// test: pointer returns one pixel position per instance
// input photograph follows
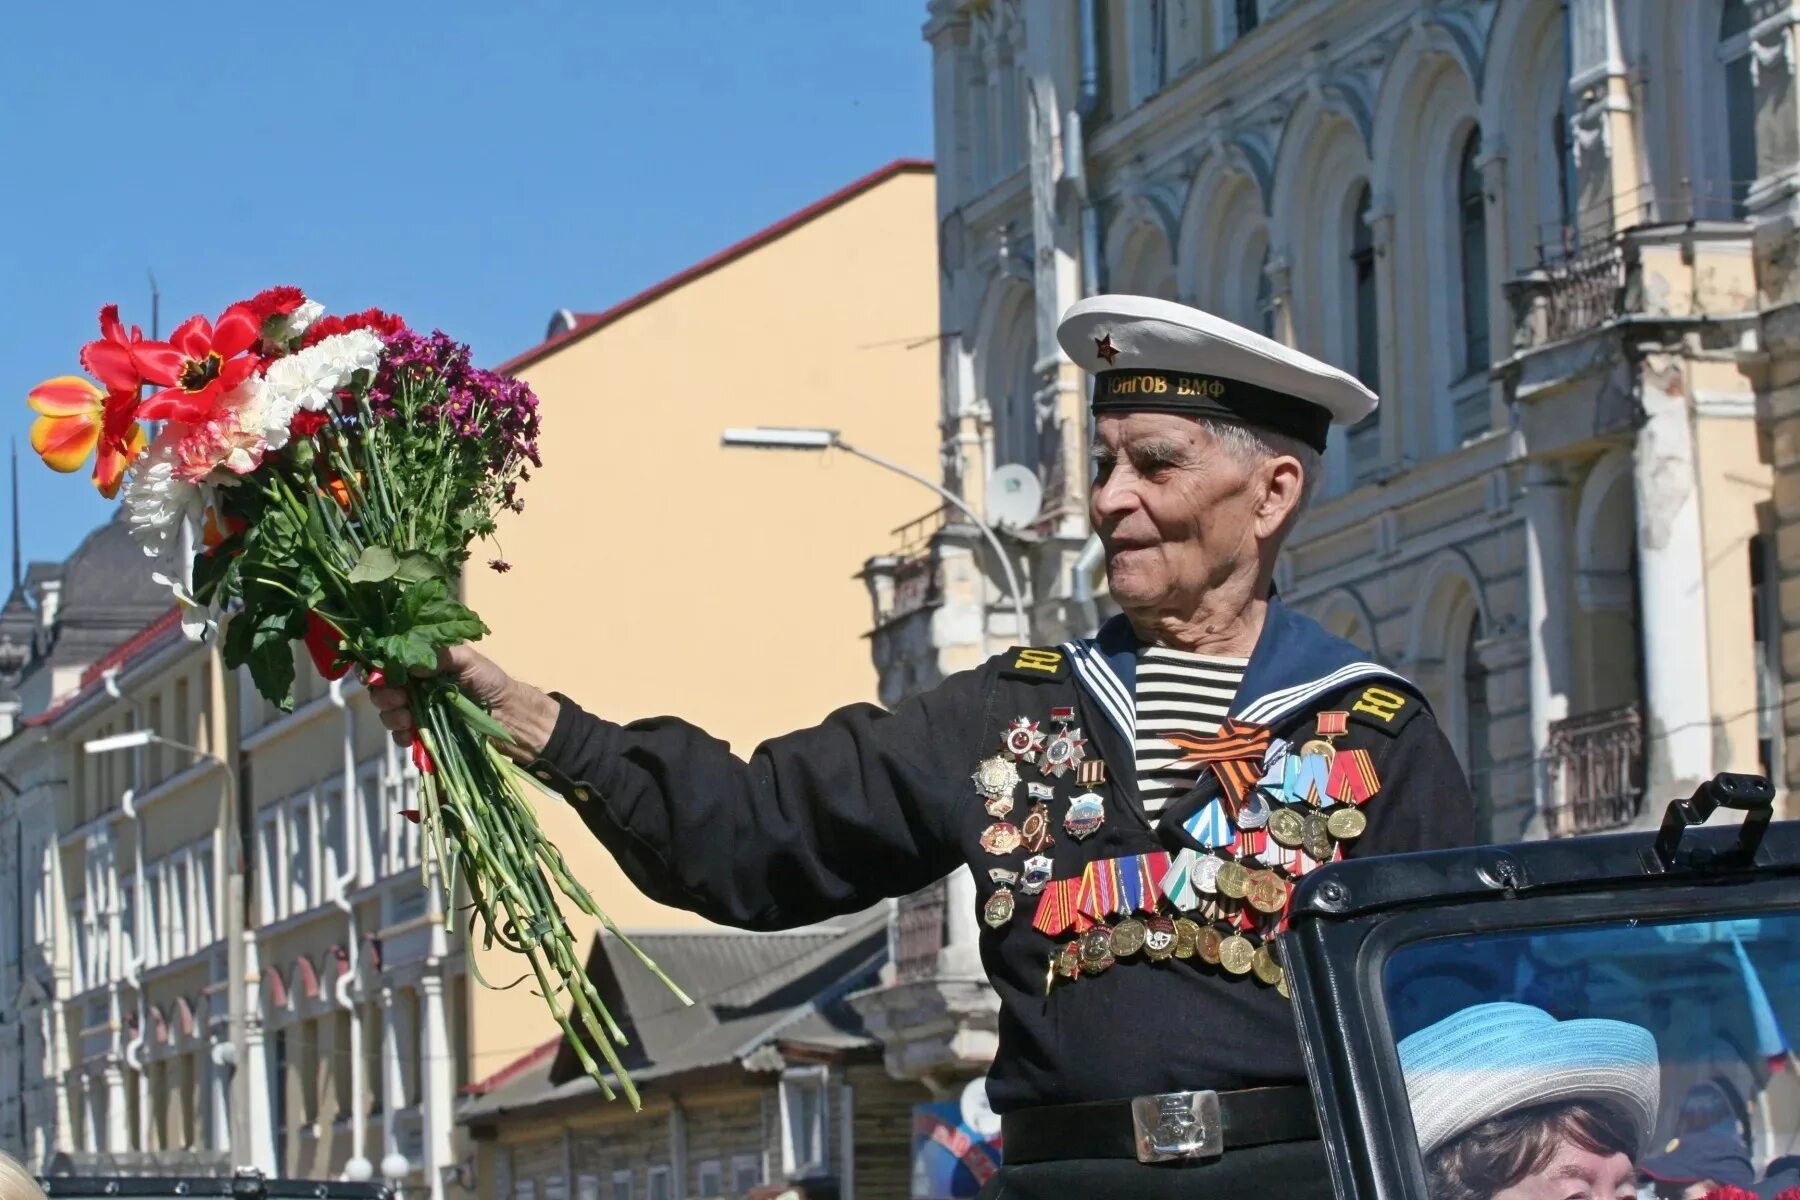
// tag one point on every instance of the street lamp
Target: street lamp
(768, 438)
(238, 936)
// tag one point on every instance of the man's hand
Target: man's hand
(528, 714)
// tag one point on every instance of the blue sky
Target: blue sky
(471, 165)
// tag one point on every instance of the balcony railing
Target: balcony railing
(1593, 766)
(919, 934)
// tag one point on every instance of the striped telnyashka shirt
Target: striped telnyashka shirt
(1177, 692)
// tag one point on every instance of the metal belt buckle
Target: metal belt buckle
(1177, 1126)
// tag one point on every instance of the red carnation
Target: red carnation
(305, 424)
(382, 323)
(1730, 1192)
(274, 302)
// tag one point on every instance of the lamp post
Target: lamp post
(248, 1106)
(768, 438)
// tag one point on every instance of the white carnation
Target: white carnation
(308, 379)
(157, 501)
(302, 318)
(264, 411)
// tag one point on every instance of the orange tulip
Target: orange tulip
(71, 424)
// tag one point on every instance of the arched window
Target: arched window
(1367, 342)
(1471, 218)
(1740, 101)
(1562, 149)
(1246, 15)
(1478, 760)
(1013, 390)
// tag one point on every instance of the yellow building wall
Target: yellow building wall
(656, 572)
(1733, 481)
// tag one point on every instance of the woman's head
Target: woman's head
(1577, 1150)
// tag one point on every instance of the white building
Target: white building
(1536, 228)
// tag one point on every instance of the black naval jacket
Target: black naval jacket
(871, 804)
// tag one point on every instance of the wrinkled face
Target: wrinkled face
(1574, 1173)
(1175, 511)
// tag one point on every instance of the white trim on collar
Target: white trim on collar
(1105, 686)
(1266, 710)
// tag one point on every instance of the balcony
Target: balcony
(903, 581)
(919, 934)
(1593, 772)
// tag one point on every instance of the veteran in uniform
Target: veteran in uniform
(1135, 807)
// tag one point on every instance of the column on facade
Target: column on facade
(118, 1129)
(961, 956)
(259, 1117)
(1549, 567)
(438, 1084)
(1492, 165)
(1393, 417)
(1671, 586)
(218, 1077)
(393, 1077)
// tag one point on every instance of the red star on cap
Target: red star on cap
(1105, 349)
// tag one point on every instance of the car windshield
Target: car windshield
(1651, 1059)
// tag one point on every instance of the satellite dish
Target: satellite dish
(1014, 496)
(977, 1115)
(561, 321)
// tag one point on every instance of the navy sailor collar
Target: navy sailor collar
(1295, 661)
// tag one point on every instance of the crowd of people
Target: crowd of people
(1510, 1103)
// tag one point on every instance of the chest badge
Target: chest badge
(1022, 740)
(1036, 874)
(1000, 838)
(999, 908)
(996, 778)
(1064, 753)
(1035, 833)
(1086, 814)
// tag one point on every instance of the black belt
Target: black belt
(1172, 1127)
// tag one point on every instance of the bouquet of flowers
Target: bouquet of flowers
(322, 479)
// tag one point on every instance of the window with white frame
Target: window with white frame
(659, 1184)
(302, 855)
(803, 1122)
(369, 825)
(331, 840)
(587, 1187)
(621, 1185)
(128, 908)
(1735, 54)
(177, 878)
(153, 919)
(525, 1189)
(710, 1179)
(746, 1173)
(204, 923)
(271, 865)
(555, 1188)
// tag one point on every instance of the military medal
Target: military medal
(1254, 812)
(1264, 964)
(1091, 773)
(1346, 823)
(1022, 740)
(1236, 954)
(1062, 714)
(1206, 874)
(998, 806)
(1064, 752)
(1159, 938)
(1233, 878)
(1317, 841)
(1128, 937)
(1287, 826)
(1002, 875)
(1209, 945)
(999, 908)
(1086, 814)
(1034, 833)
(996, 777)
(1330, 725)
(1068, 960)
(1096, 950)
(1000, 838)
(1266, 892)
(1036, 875)
(1187, 938)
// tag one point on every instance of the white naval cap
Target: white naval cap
(1149, 355)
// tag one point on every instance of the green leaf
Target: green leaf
(212, 570)
(479, 719)
(417, 568)
(375, 564)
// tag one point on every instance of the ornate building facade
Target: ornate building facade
(1556, 238)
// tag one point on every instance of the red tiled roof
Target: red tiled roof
(586, 323)
(514, 1069)
(119, 656)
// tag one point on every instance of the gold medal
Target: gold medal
(999, 908)
(1236, 954)
(1263, 963)
(1127, 937)
(1266, 892)
(1187, 938)
(1068, 960)
(1346, 822)
(1096, 950)
(1287, 826)
(1281, 986)
(1233, 878)
(1211, 945)
(1317, 841)
(1320, 747)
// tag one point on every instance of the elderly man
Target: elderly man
(1134, 807)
